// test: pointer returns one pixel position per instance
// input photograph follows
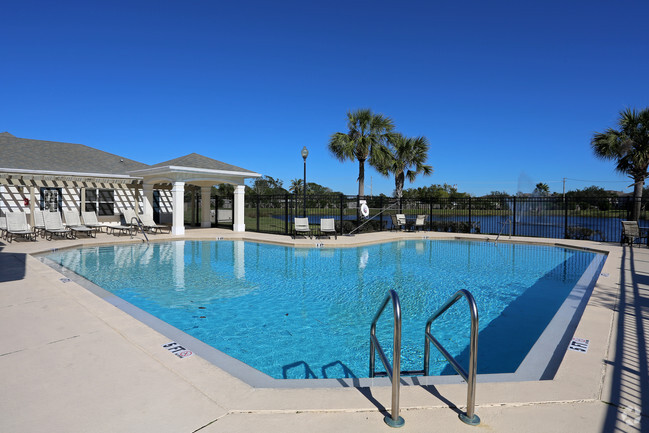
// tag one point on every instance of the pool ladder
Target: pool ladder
(139, 224)
(394, 371)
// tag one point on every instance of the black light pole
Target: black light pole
(305, 153)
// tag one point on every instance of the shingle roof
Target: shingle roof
(26, 154)
(194, 160)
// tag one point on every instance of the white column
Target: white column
(147, 198)
(239, 222)
(206, 217)
(32, 205)
(178, 208)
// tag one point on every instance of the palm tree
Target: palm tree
(406, 158)
(630, 147)
(542, 189)
(365, 140)
(296, 186)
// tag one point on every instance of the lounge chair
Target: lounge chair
(90, 220)
(401, 221)
(630, 232)
(420, 222)
(3, 226)
(150, 225)
(54, 226)
(302, 227)
(17, 227)
(328, 225)
(131, 218)
(73, 222)
(39, 223)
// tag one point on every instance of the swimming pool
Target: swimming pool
(297, 313)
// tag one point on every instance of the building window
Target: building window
(100, 201)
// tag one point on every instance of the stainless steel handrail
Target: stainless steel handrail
(470, 417)
(139, 224)
(393, 372)
(504, 223)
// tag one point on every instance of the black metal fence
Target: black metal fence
(593, 218)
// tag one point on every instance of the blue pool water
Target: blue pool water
(306, 312)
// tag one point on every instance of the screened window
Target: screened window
(101, 201)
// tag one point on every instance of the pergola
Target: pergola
(198, 170)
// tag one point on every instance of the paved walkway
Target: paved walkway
(71, 362)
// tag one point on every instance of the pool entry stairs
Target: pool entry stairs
(394, 372)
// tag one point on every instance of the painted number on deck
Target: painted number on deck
(579, 345)
(177, 350)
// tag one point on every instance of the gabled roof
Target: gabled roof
(22, 154)
(194, 160)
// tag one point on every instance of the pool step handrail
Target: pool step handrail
(469, 417)
(139, 224)
(394, 371)
(502, 227)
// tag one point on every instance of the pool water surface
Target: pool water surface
(300, 313)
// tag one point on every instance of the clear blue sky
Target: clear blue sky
(508, 93)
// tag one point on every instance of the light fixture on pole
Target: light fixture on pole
(305, 153)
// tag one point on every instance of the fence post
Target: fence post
(565, 217)
(514, 219)
(430, 212)
(380, 213)
(286, 199)
(258, 200)
(470, 225)
(342, 214)
(400, 204)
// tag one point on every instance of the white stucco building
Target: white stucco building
(52, 176)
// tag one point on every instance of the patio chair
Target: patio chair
(395, 223)
(73, 222)
(131, 218)
(150, 225)
(630, 232)
(302, 227)
(328, 225)
(54, 226)
(420, 222)
(3, 226)
(401, 220)
(39, 223)
(90, 220)
(17, 227)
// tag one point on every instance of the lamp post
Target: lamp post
(305, 153)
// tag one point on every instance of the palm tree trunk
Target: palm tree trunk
(399, 180)
(361, 177)
(637, 198)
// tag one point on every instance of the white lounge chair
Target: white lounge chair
(3, 226)
(302, 227)
(39, 222)
(420, 222)
(17, 227)
(90, 220)
(150, 225)
(73, 222)
(328, 225)
(401, 220)
(54, 226)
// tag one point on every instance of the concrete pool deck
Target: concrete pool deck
(71, 362)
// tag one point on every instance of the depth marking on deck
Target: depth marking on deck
(177, 350)
(579, 345)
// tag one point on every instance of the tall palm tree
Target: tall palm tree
(630, 147)
(296, 186)
(365, 140)
(406, 158)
